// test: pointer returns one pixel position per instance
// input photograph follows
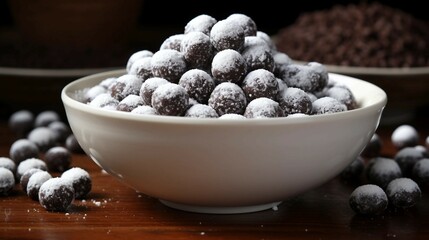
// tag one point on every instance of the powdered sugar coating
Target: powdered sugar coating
(23, 180)
(245, 22)
(232, 116)
(44, 118)
(253, 41)
(260, 83)
(80, 179)
(43, 137)
(327, 105)
(381, 171)
(257, 57)
(228, 66)
(420, 172)
(169, 64)
(228, 97)
(267, 39)
(125, 85)
(405, 135)
(8, 164)
(35, 181)
(107, 82)
(197, 50)
(56, 194)
(148, 87)
(281, 60)
(170, 99)
(144, 110)
(312, 77)
(201, 111)
(7, 181)
(201, 23)
(137, 55)
(227, 34)
(28, 164)
(142, 68)
(129, 103)
(344, 95)
(403, 192)
(172, 42)
(368, 199)
(20, 122)
(198, 84)
(295, 100)
(104, 100)
(93, 92)
(263, 108)
(406, 158)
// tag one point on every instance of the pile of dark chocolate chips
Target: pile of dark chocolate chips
(365, 35)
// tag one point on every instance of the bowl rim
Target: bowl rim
(71, 88)
(375, 71)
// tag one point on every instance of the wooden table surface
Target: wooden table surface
(115, 211)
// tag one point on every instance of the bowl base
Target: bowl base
(221, 210)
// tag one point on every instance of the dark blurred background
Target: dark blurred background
(157, 20)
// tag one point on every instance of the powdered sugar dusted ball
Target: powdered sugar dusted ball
(311, 77)
(56, 194)
(80, 179)
(227, 34)
(420, 172)
(104, 100)
(260, 83)
(201, 23)
(129, 103)
(403, 192)
(257, 57)
(125, 85)
(7, 181)
(228, 97)
(148, 87)
(144, 110)
(26, 176)
(197, 50)
(263, 108)
(381, 171)
(170, 99)
(267, 39)
(406, 158)
(93, 92)
(232, 116)
(107, 82)
(368, 199)
(142, 68)
(405, 136)
(228, 66)
(35, 181)
(295, 100)
(172, 42)
(44, 118)
(23, 149)
(137, 55)
(43, 137)
(327, 105)
(201, 111)
(344, 95)
(60, 129)
(28, 164)
(245, 22)
(169, 64)
(281, 60)
(198, 84)
(8, 163)
(254, 41)
(58, 159)
(21, 122)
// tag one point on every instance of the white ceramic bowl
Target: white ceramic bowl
(220, 165)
